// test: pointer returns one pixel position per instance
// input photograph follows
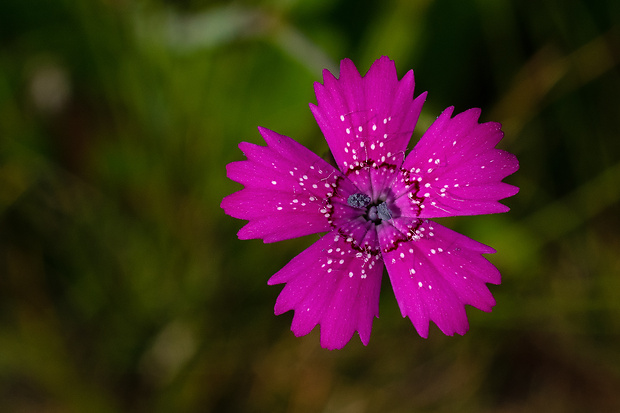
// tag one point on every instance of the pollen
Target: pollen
(358, 200)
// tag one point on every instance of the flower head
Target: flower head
(375, 207)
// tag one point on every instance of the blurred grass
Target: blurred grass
(123, 286)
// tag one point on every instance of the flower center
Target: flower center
(375, 201)
(375, 212)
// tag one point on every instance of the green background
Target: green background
(123, 286)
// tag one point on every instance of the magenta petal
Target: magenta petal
(274, 216)
(286, 186)
(367, 118)
(333, 285)
(436, 274)
(458, 168)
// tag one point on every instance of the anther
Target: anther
(358, 200)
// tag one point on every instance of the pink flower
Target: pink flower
(375, 207)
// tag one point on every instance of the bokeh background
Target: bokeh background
(123, 287)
